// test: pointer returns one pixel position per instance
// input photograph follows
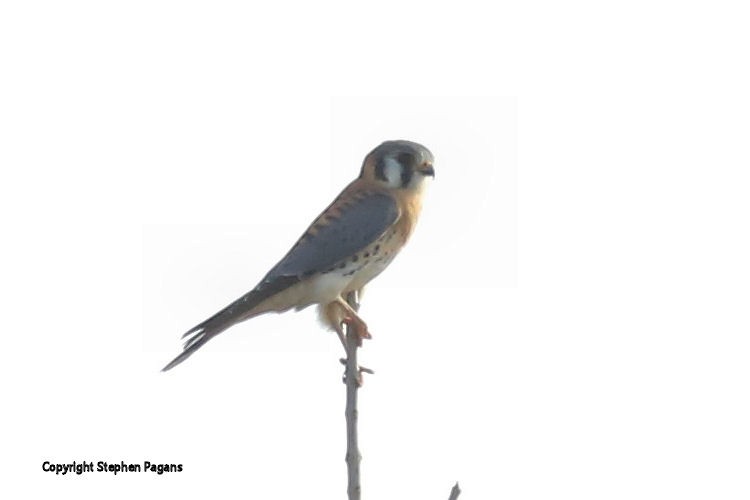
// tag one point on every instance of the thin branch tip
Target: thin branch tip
(455, 491)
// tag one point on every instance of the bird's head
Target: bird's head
(398, 165)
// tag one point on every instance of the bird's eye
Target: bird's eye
(406, 159)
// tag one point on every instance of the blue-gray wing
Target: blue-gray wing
(343, 229)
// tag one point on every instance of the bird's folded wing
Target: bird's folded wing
(348, 225)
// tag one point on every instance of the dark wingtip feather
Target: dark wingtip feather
(203, 333)
(191, 346)
(190, 332)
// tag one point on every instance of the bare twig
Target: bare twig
(455, 491)
(352, 379)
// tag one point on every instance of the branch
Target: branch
(352, 379)
(455, 491)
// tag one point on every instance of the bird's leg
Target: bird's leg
(333, 314)
(352, 320)
(351, 323)
(338, 314)
(339, 327)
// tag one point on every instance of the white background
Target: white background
(159, 157)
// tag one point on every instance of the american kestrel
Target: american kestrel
(347, 245)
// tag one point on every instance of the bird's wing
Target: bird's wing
(348, 225)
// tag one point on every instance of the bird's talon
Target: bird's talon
(359, 327)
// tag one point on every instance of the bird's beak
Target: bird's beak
(427, 169)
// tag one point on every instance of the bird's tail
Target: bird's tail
(241, 309)
(202, 333)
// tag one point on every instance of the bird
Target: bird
(351, 242)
